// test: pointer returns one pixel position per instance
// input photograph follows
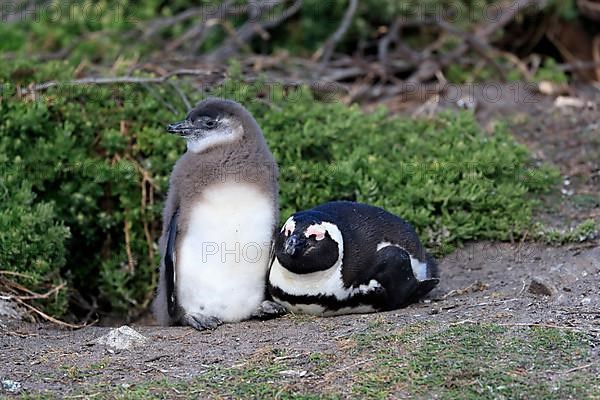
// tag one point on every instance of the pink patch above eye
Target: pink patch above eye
(316, 230)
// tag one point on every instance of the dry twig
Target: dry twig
(507, 13)
(48, 317)
(118, 79)
(240, 37)
(14, 273)
(197, 33)
(324, 52)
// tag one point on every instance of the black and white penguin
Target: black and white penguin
(344, 257)
(218, 221)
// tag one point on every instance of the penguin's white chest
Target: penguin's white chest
(223, 258)
(321, 283)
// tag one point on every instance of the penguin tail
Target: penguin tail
(433, 278)
(433, 272)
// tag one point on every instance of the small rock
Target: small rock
(566, 101)
(546, 87)
(541, 286)
(10, 310)
(550, 88)
(585, 301)
(567, 192)
(11, 386)
(123, 338)
(291, 372)
(466, 103)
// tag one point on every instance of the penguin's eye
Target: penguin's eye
(207, 122)
(210, 123)
(315, 231)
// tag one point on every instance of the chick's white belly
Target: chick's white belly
(223, 258)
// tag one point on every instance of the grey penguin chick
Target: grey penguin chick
(218, 220)
(344, 257)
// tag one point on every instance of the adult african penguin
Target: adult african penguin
(345, 257)
(218, 221)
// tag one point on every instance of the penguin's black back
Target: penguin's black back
(363, 227)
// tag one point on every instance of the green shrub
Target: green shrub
(102, 157)
(32, 240)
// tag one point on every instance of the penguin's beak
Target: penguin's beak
(182, 128)
(293, 245)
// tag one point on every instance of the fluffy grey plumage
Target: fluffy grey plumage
(225, 147)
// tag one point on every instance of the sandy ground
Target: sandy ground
(483, 282)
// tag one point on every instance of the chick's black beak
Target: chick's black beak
(293, 245)
(180, 128)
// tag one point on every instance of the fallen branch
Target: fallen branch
(481, 35)
(197, 33)
(480, 46)
(251, 28)
(217, 12)
(13, 273)
(113, 80)
(48, 317)
(12, 285)
(393, 37)
(22, 299)
(324, 52)
(159, 24)
(36, 296)
(578, 65)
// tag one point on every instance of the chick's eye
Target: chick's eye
(210, 123)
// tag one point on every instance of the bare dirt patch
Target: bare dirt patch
(483, 283)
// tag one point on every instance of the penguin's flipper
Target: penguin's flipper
(424, 287)
(272, 253)
(394, 273)
(170, 260)
(269, 309)
(267, 295)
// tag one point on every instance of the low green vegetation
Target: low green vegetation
(91, 165)
(587, 230)
(420, 361)
(32, 238)
(478, 362)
